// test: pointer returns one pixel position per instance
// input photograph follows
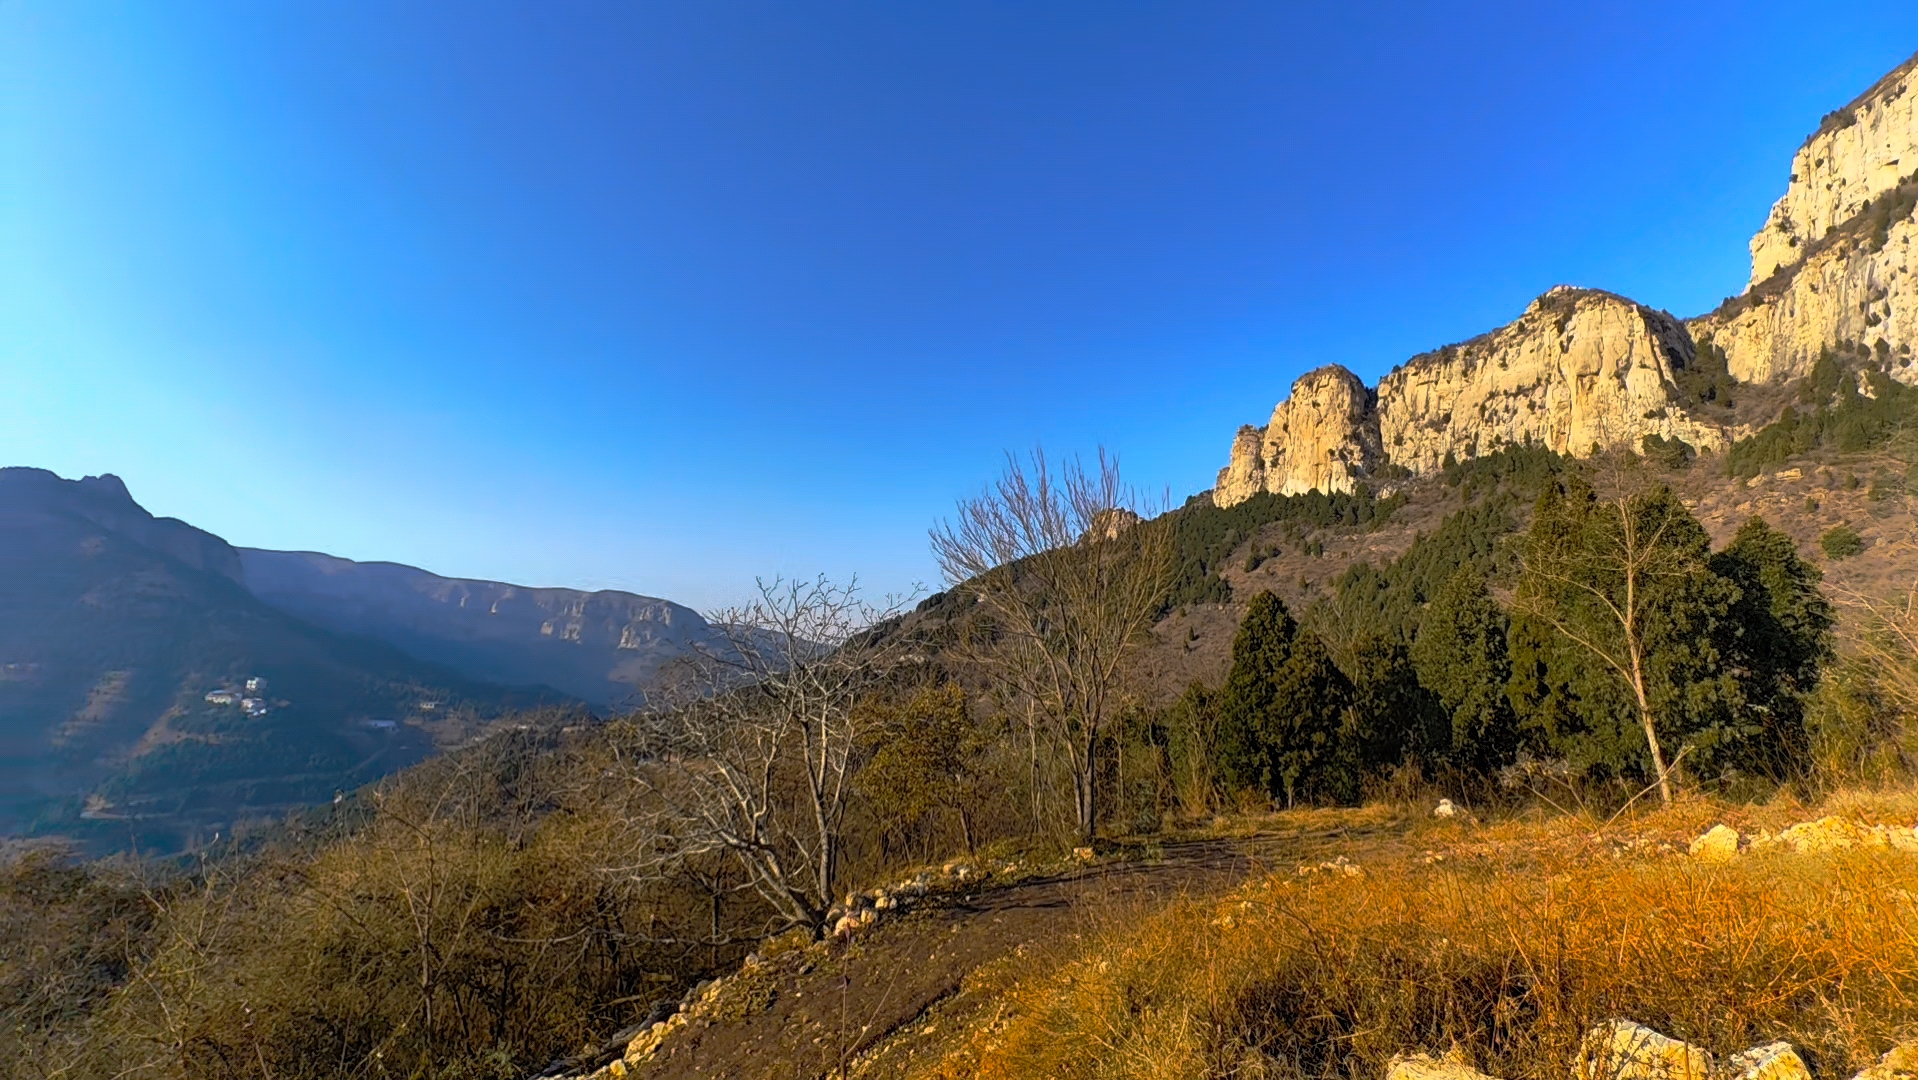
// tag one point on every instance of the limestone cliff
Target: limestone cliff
(1579, 368)
(1858, 152)
(1324, 438)
(1854, 292)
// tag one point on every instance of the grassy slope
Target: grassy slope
(1506, 940)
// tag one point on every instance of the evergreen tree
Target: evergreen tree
(1777, 640)
(1282, 708)
(1619, 620)
(1392, 714)
(1462, 657)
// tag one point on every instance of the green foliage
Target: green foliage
(1392, 715)
(1833, 413)
(1389, 601)
(1857, 730)
(1192, 730)
(924, 754)
(1462, 658)
(1204, 535)
(1841, 542)
(1282, 710)
(1776, 640)
(1707, 380)
(1673, 454)
(1623, 623)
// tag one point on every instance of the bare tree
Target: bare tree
(1071, 576)
(756, 756)
(1602, 565)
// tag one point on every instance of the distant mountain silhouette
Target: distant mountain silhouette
(602, 647)
(116, 626)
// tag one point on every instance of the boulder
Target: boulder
(1899, 1063)
(1623, 1050)
(1773, 1061)
(1718, 844)
(1426, 1067)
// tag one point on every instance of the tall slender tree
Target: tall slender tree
(1282, 707)
(1070, 575)
(1461, 656)
(1617, 579)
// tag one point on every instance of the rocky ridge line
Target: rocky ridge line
(1832, 271)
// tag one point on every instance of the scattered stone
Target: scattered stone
(1340, 866)
(1899, 1063)
(1623, 1050)
(1773, 1061)
(1718, 844)
(1452, 1066)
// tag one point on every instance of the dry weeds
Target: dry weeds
(1506, 940)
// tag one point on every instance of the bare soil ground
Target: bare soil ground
(889, 1001)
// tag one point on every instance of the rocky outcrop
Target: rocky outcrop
(1623, 1050)
(1832, 267)
(1853, 291)
(1858, 153)
(1832, 272)
(1325, 437)
(1580, 368)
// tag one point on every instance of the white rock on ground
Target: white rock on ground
(1773, 1061)
(1899, 1063)
(1718, 844)
(1445, 809)
(1426, 1067)
(1623, 1050)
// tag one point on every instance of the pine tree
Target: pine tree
(1282, 707)
(1392, 714)
(1777, 640)
(1462, 657)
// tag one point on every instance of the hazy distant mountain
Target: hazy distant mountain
(126, 643)
(602, 647)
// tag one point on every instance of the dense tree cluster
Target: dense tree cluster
(1846, 404)
(1625, 649)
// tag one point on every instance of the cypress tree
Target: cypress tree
(1462, 657)
(1282, 707)
(1777, 640)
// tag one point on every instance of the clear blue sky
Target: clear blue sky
(663, 296)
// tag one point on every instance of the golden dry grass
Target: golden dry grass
(1507, 940)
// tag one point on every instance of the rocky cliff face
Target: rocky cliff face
(1325, 437)
(1858, 153)
(1853, 292)
(1831, 270)
(1579, 368)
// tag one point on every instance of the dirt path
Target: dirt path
(887, 1002)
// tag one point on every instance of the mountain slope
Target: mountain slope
(602, 647)
(1832, 273)
(116, 625)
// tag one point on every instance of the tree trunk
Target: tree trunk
(1651, 732)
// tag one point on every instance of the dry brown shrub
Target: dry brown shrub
(1510, 947)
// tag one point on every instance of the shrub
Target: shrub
(1841, 542)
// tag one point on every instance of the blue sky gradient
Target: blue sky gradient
(664, 296)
